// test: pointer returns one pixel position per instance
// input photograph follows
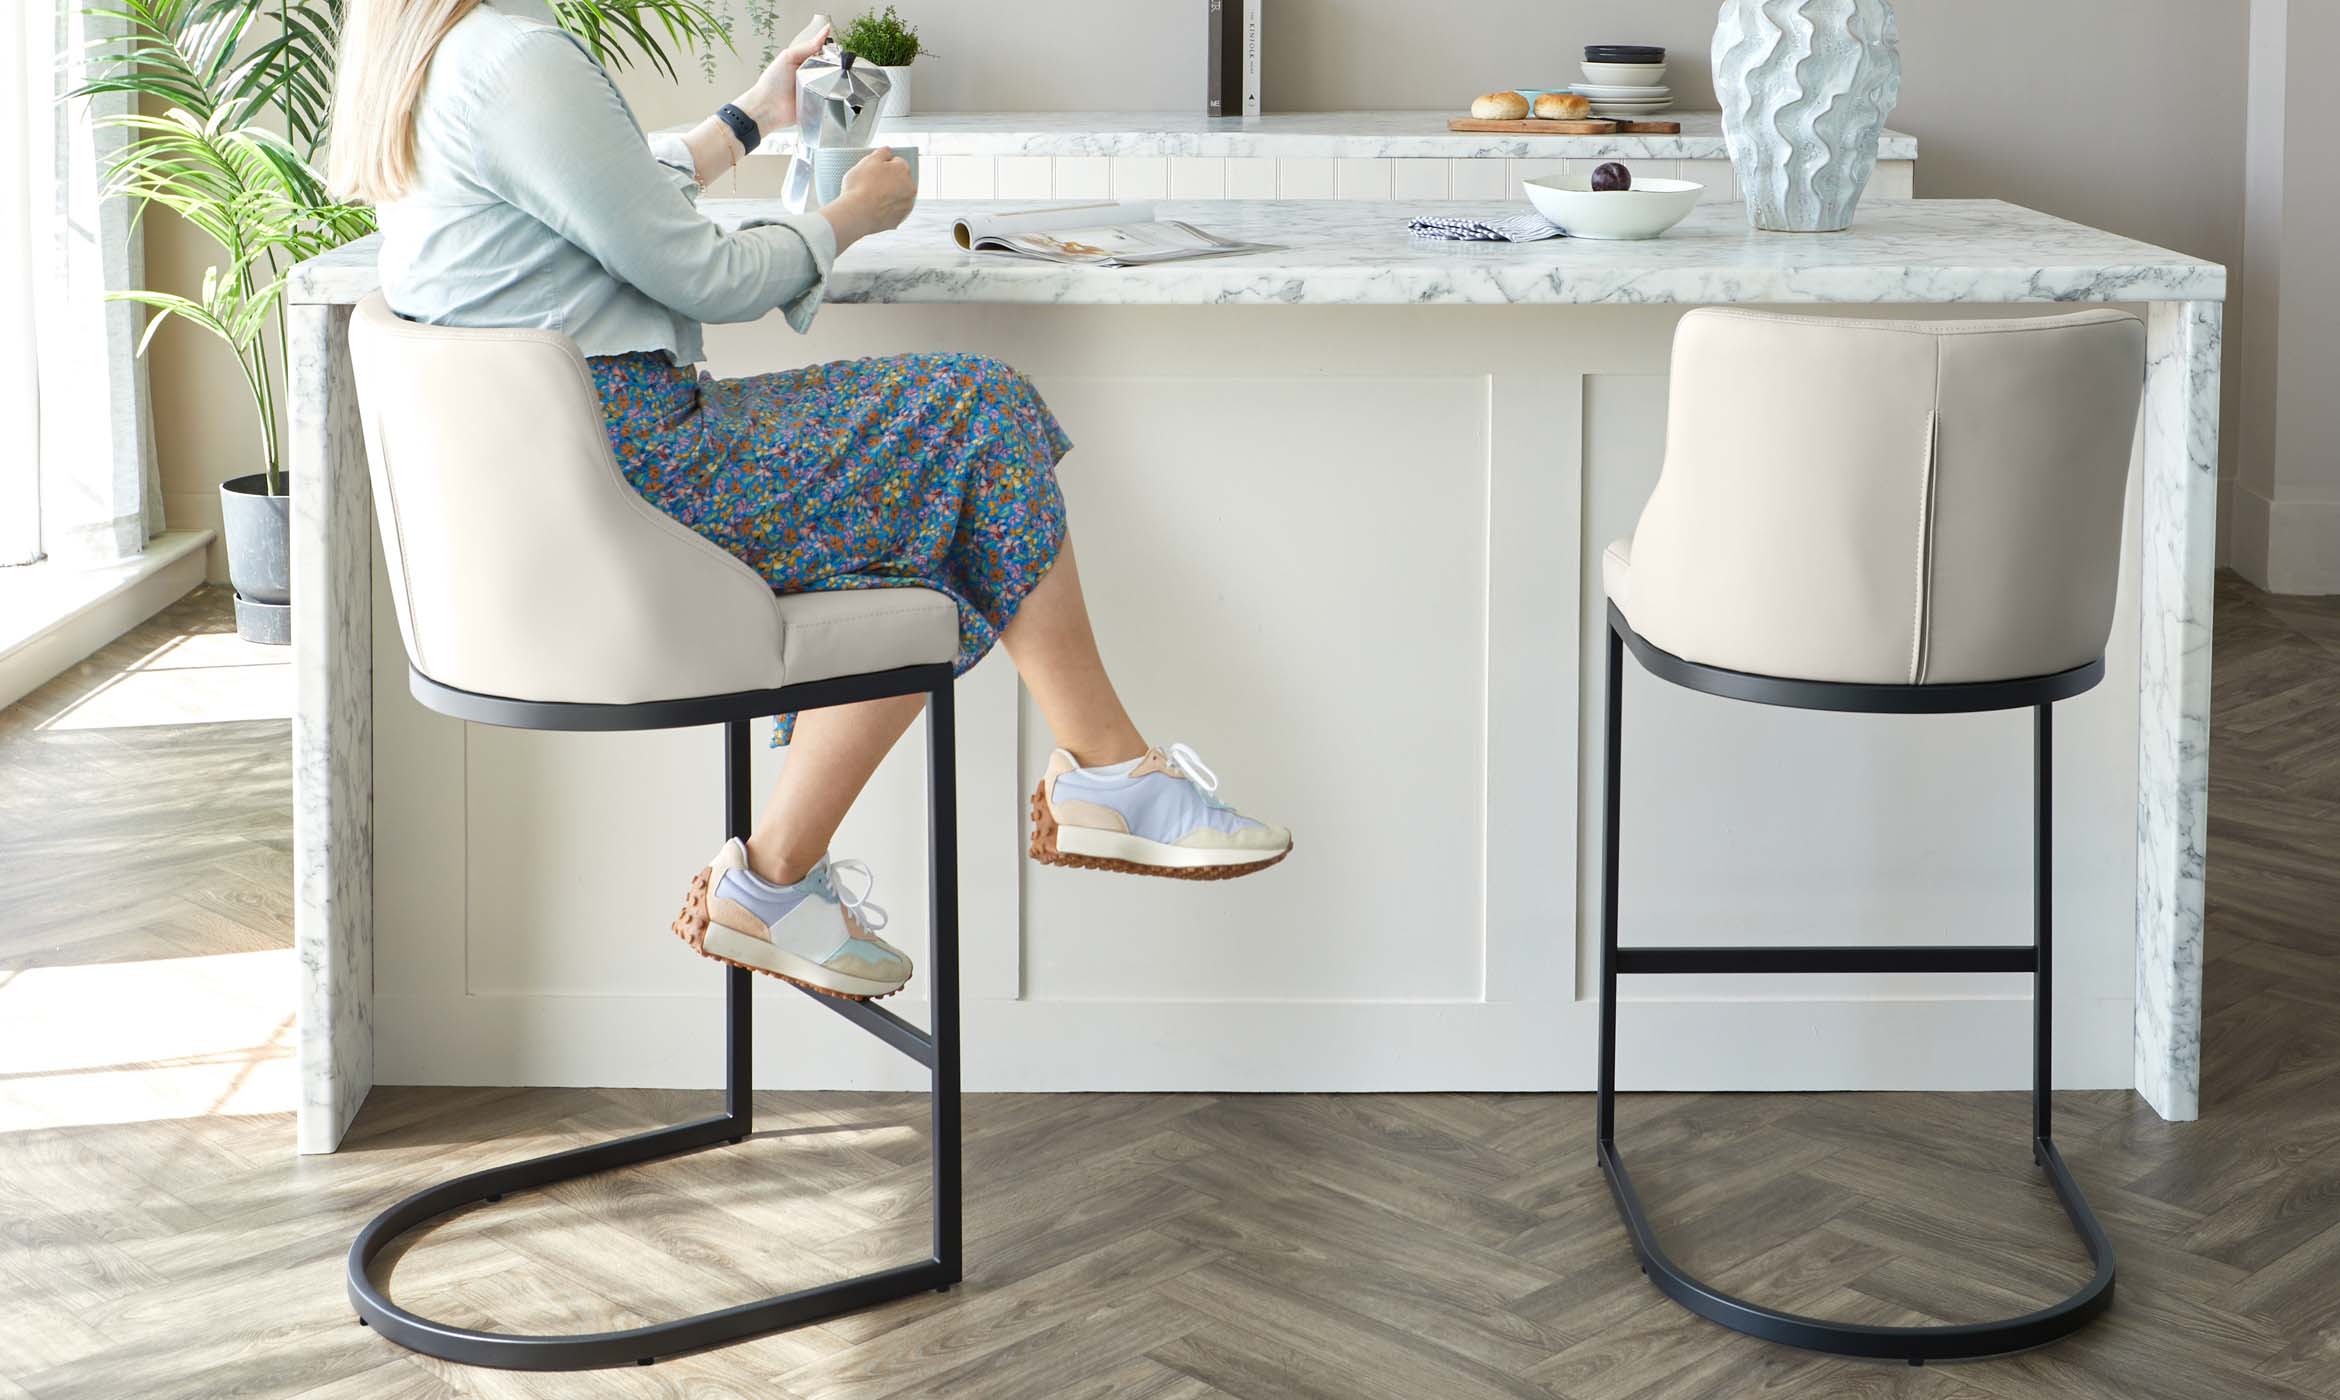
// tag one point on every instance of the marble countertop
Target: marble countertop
(1367, 135)
(1341, 252)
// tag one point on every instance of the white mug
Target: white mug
(831, 162)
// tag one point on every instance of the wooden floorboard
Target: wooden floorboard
(1172, 1247)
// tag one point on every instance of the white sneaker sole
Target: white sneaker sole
(698, 930)
(1137, 850)
(1086, 848)
(733, 946)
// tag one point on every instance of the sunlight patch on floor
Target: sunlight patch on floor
(133, 1041)
(201, 678)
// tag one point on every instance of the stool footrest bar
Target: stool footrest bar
(1665, 961)
(883, 1024)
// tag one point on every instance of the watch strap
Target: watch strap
(742, 126)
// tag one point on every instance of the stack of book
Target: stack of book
(1233, 58)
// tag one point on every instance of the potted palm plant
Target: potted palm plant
(881, 37)
(226, 130)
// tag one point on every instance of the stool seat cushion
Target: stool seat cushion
(1617, 573)
(854, 631)
(524, 566)
(1887, 502)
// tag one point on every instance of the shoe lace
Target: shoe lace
(1191, 767)
(871, 917)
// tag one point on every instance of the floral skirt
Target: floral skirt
(914, 471)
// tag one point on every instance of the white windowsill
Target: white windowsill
(51, 615)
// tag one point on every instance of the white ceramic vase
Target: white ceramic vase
(1805, 87)
(897, 103)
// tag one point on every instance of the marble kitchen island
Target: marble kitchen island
(1340, 509)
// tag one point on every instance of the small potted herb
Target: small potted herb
(880, 37)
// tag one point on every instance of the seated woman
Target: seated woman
(516, 190)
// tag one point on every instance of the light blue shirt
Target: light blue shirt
(540, 204)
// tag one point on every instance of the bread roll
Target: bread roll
(1563, 106)
(1499, 107)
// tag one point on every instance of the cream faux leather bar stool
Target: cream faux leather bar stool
(1890, 517)
(536, 589)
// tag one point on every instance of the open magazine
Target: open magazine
(1105, 234)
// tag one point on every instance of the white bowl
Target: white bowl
(1625, 74)
(1569, 203)
(1620, 94)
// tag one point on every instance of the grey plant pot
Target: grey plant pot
(259, 547)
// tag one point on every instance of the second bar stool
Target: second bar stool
(1891, 517)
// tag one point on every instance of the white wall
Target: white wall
(2285, 514)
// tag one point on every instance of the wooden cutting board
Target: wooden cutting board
(1590, 126)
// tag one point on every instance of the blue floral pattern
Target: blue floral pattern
(912, 471)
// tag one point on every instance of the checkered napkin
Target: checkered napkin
(1518, 228)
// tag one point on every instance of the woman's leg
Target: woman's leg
(834, 751)
(829, 761)
(1055, 651)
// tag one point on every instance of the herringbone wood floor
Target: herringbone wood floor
(1180, 1247)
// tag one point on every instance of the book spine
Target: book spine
(1251, 60)
(1215, 59)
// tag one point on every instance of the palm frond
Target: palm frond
(619, 32)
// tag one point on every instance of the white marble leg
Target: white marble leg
(2180, 509)
(333, 726)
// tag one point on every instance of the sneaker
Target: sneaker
(815, 933)
(1155, 815)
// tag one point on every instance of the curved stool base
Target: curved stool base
(937, 1049)
(1916, 1345)
(637, 1346)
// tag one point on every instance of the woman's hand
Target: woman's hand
(875, 195)
(772, 101)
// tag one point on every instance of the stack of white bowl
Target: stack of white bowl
(1625, 80)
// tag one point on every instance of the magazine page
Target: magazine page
(1119, 245)
(972, 229)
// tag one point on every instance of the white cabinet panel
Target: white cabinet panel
(1198, 177)
(1251, 177)
(1516, 174)
(1361, 179)
(1340, 551)
(1721, 186)
(1306, 177)
(1026, 177)
(1479, 178)
(1418, 179)
(1276, 697)
(1084, 177)
(1141, 177)
(965, 177)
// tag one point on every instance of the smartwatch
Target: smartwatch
(742, 126)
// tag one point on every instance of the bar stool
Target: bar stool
(1888, 517)
(536, 589)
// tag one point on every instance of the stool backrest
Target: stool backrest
(1890, 502)
(522, 563)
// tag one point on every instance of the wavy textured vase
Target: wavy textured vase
(1805, 87)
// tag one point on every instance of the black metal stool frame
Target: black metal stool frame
(937, 1049)
(1915, 1345)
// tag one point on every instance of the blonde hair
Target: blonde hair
(386, 48)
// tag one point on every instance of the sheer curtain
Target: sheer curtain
(78, 478)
